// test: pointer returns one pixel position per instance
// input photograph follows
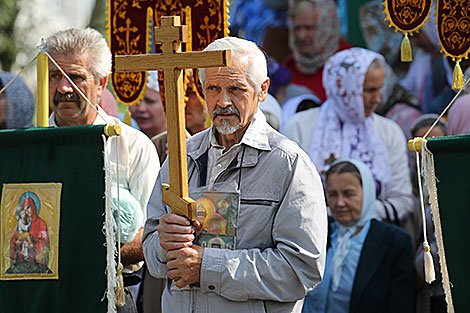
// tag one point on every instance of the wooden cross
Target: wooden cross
(170, 34)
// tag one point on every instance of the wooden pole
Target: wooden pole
(42, 116)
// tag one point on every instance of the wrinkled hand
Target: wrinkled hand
(184, 265)
(175, 232)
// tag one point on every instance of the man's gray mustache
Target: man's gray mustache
(227, 110)
(69, 96)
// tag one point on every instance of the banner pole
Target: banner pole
(42, 117)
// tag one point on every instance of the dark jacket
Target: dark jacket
(384, 279)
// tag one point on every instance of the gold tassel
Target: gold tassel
(127, 118)
(406, 55)
(429, 273)
(457, 80)
(120, 294)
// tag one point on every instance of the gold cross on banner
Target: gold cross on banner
(172, 61)
(128, 31)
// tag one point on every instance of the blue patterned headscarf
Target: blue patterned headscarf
(250, 26)
(20, 102)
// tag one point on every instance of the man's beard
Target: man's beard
(225, 128)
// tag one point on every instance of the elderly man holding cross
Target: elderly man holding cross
(278, 252)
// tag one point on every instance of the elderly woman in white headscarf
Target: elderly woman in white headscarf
(369, 264)
(345, 126)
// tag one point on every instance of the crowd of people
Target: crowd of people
(314, 196)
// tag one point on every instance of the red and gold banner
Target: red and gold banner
(453, 28)
(407, 16)
(130, 31)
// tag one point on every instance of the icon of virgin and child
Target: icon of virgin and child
(29, 245)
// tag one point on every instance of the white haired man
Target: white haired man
(278, 253)
(84, 56)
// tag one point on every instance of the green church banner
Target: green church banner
(452, 171)
(53, 257)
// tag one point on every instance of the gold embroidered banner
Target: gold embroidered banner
(407, 16)
(30, 215)
(453, 28)
(130, 31)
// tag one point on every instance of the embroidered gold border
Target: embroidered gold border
(443, 50)
(386, 11)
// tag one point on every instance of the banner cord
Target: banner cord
(17, 75)
(445, 110)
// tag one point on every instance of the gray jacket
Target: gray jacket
(281, 240)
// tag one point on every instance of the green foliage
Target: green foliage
(8, 13)
(98, 17)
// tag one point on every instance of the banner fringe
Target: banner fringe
(430, 182)
(108, 230)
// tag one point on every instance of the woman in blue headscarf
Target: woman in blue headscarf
(369, 264)
(16, 103)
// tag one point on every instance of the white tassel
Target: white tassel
(429, 273)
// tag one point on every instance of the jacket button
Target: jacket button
(211, 287)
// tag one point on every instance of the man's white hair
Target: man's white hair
(246, 51)
(85, 42)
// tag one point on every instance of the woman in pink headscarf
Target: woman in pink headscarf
(314, 36)
(458, 121)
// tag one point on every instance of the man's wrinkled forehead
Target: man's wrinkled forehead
(240, 64)
(70, 59)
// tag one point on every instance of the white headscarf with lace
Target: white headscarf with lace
(342, 129)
